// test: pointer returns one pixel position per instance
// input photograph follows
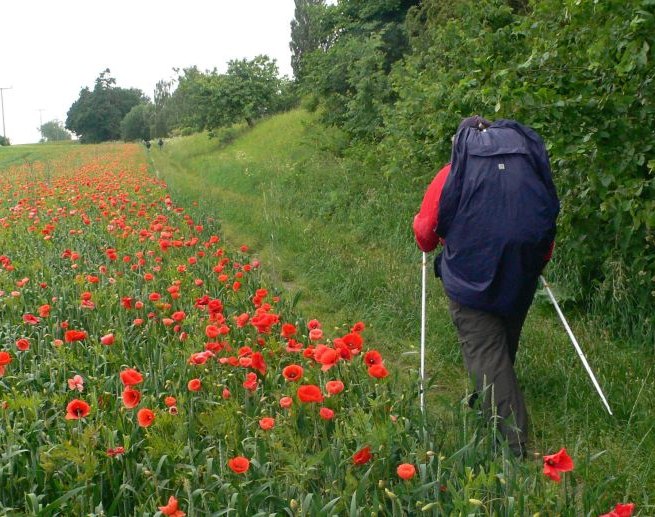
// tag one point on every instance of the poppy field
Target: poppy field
(147, 368)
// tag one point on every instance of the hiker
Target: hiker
(493, 208)
(147, 144)
(160, 143)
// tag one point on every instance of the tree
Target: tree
(136, 124)
(307, 33)
(97, 114)
(4, 141)
(53, 131)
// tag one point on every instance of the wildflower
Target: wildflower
(334, 387)
(251, 381)
(76, 383)
(130, 377)
(327, 356)
(315, 334)
(107, 339)
(358, 327)
(288, 330)
(621, 510)
(71, 336)
(116, 451)
(293, 372)
(372, 357)
(313, 324)
(30, 319)
(131, 398)
(239, 464)
(226, 394)
(556, 463)
(194, 385)
(310, 393)
(362, 456)
(23, 344)
(326, 413)
(286, 402)
(258, 363)
(171, 508)
(406, 471)
(170, 401)
(77, 409)
(267, 423)
(5, 359)
(145, 417)
(378, 371)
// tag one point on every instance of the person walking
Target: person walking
(494, 210)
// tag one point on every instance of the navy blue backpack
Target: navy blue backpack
(497, 214)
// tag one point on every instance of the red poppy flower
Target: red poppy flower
(362, 456)
(131, 398)
(145, 417)
(251, 381)
(23, 344)
(170, 401)
(556, 463)
(171, 508)
(358, 327)
(30, 319)
(326, 413)
(5, 359)
(288, 330)
(315, 334)
(293, 372)
(258, 363)
(310, 393)
(378, 371)
(621, 510)
(406, 471)
(107, 339)
(77, 409)
(226, 394)
(194, 385)
(334, 387)
(286, 402)
(313, 324)
(130, 377)
(372, 357)
(115, 451)
(267, 423)
(74, 335)
(327, 356)
(239, 464)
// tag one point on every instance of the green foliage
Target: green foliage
(248, 90)
(137, 123)
(4, 141)
(348, 72)
(97, 114)
(53, 131)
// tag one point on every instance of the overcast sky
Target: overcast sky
(50, 50)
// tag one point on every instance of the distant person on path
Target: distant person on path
(147, 144)
(493, 208)
(160, 143)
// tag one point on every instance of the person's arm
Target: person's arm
(425, 222)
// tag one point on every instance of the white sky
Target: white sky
(50, 50)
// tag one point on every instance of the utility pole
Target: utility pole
(41, 110)
(2, 105)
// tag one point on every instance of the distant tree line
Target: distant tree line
(398, 75)
(54, 131)
(194, 101)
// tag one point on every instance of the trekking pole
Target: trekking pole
(575, 344)
(422, 369)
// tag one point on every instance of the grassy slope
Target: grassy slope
(339, 236)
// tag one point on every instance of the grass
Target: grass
(337, 235)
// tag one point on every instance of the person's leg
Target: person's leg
(484, 343)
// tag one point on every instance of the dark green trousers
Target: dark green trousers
(489, 344)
